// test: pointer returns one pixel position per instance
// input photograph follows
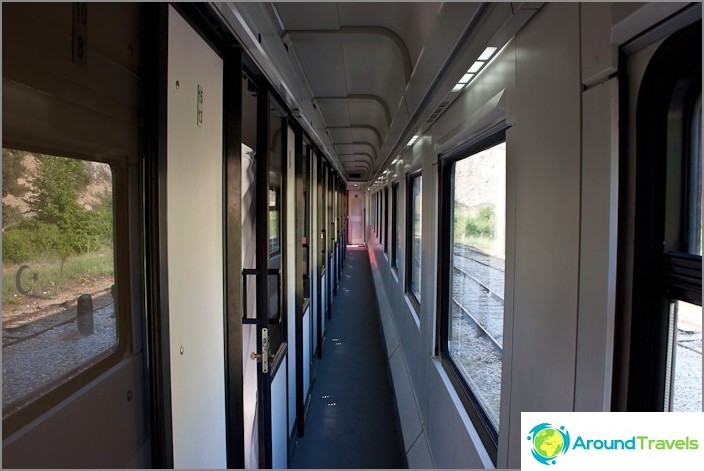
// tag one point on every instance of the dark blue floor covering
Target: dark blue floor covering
(352, 422)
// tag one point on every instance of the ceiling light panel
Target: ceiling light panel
(476, 66)
(488, 52)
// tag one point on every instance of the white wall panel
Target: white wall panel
(306, 351)
(411, 425)
(290, 288)
(543, 149)
(419, 456)
(323, 303)
(461, 448)
(597, 280)
(195, 258)
(279, 437)
(599, 54)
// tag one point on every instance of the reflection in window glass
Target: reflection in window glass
(416, 235)
(684, 373)
(274, 245)
(477, 275)
(695, 181)
(57, 247)
(394, 225)
(385, 199)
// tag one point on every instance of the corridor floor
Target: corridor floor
(352, 422)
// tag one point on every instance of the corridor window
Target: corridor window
(683, 230)
(59, 305)
(414, 236)
(394, 226)
(385, 196)
(473, 241)
(663, 358)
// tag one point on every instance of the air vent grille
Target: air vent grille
(438, 111)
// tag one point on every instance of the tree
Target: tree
(12, 169)
(11, 216)
(54, 205)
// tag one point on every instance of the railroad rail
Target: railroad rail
(469, 315)
(460, 254)
(482, 285)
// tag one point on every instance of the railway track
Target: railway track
(479, 325)
(482, 285)
(476, 260)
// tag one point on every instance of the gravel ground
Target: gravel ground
(479, 359)
(32, 365)
(688, 373)
(489, 270)
(476, 355)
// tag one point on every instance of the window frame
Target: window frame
(660, 274)
(409, 235)
(372, 210)
(385, 237)
(394, 225)
(485, 429)
(377, 229)
(47, 397)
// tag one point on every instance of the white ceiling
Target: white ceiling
(363, 76)
(357, 59)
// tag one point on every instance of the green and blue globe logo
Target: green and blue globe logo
(548, 442)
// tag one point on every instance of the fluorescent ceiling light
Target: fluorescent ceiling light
(476, 66)
(488, 52)
(466, 78)
(456, 89)
(413, 139)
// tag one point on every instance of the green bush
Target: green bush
(59, 227)
(11, 216)
(479, 225)
(17, 245)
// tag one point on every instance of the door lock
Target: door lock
(263, 357)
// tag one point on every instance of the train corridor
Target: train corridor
(352, 421)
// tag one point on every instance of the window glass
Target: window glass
(378, 214)
(274, 245)
(683, 376)
(58, 272)
(476, 318)
(384, 195)
(416, 235)
(394, 225)
(684, 372)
